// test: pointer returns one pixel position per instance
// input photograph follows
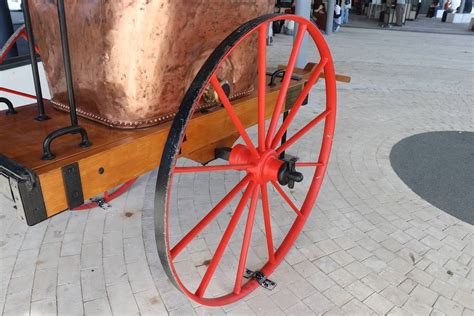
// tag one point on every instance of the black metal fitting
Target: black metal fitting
(34, 63)
(262, 280)
(287, 174)
(276, 73)
(11, 110)
(48, 155)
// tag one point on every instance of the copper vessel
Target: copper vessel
(133, 60)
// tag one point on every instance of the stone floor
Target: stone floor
(370, 246)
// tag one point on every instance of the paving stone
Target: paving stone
(464, 298)
(394, 295)
(97, 307)
(416, 307)
(338, 295)
(320, 281)
(44, 286)
(456, 267)
(443, 288)
(44, 307)
(69, 270)
(378, 303)
(448, 307)
(358, 269)
(318, 303)
(391, 276)
(261, 304)
(17, 303)
(420, 276)
(345, 242)
(93, 284)
(284, 299)
(359, 253)
(342, 277)
(328, 246)
(342, 257)
(374, 264)
(359, 290)
(326, 264)
(375, 282)
(149, 303)
(70, 300)
(424, 295)
(396, 311)
(19, 284)
(296, 310)
(354, 307)
(306, 268)
(139, 276)
(121, 299)
(48, 256)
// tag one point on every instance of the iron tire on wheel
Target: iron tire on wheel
(267, 150)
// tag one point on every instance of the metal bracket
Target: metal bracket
(73, 185)
(261, 279)
(102, 203)
(22, 187)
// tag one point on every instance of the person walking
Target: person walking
(399, 11)
(346, 6)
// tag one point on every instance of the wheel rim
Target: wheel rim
(260, 161)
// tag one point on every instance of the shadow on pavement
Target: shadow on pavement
(439, 167)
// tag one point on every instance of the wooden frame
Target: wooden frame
(120, 155)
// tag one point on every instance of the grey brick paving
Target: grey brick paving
(371, 246)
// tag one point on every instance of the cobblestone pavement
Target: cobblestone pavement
(371, 245)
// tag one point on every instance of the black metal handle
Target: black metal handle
(48, 155)
(11, 109)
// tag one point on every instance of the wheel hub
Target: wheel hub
(267, 167)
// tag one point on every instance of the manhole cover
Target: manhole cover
(439, 167)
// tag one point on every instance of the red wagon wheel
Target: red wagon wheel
(265, 172)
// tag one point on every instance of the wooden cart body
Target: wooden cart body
(115, 157)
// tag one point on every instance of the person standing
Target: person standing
(399, 11)
(346, 6)
(337, 17)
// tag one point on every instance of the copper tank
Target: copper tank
(133, 60)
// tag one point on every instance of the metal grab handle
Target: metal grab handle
(11, 109)
(48, 155)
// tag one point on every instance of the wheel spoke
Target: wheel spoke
(224, 241)
(208, 218)
(266, 219)
(233, 116)
(285, 84)
(246, 240)
(294, 110)
(309, 164)
(302, 131)
(286, 198)
(210, 168)
(262, 84)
